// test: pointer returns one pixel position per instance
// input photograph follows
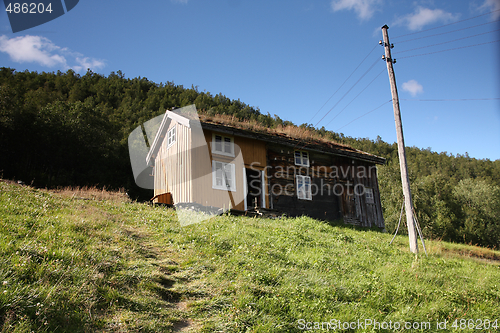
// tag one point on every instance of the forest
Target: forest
(66, 129)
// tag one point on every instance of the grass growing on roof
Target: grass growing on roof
(77, 263)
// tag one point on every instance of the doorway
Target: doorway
(255, 188)
(350, 206)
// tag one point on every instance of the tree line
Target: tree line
(66, 129)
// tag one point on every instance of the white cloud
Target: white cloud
(491, 6)
(425, 16)
(363, 8)
(41, 50)
(32, 49)
(413, 87)
(86, 62)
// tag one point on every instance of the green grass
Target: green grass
(87, 262)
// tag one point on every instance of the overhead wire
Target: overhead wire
(378, 107)
(447, 32)
(445, 25)
(348, 91)
(451, 99)
(449, 41)
(455, 48)
(410, 56)
(376, 77)
(362, 61)
(424, 100)
(362, 76)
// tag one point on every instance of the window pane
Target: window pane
(218, 143)
(227, 173)
(305, 158)
(369, 195)
(307, 187)
(218, 173)
(227, 145)
(300, 187)
(298, 160)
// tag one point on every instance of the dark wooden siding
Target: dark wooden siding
(281, 181)
(334, 180)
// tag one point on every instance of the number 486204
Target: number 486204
(477, 324)
(28, 8)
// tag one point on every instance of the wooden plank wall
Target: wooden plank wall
(203, 193)
(366, 214)
(330, 203)
(172, 166)
(282, 184)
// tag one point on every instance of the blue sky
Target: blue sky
(289, 57)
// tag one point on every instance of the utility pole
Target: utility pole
(410, 221)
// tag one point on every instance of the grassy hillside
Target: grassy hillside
(65, 129)
(89, 260)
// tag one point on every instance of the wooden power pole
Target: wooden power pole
(410, 221)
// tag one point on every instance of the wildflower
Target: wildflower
(5, 282)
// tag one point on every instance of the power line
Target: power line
(455, 48)
(445, 25)
(451, 99)
(343, 82)
(376, 77)
(378, 107)
(447, 32)
(422, 100)
(362, 76)
(450, 41)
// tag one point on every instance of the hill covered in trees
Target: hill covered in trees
(60, 129)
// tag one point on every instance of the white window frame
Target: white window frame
(171, 136)
(303, 159)
(223, 179)
(370, 199)
(224, 139)
(301, 182)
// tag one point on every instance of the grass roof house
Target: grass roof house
(228, 164)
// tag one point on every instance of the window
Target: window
(171, 135)
(222, 145)
(301, 158)
(303, 187)
(223, 176)
(369, 195)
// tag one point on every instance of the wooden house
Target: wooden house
(219, 165)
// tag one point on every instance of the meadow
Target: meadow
(89, 260)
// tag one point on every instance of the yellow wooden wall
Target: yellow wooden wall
(172, 166)
(185, 169)
(203, 193)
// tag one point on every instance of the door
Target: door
(350, 206)
(255, 189)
